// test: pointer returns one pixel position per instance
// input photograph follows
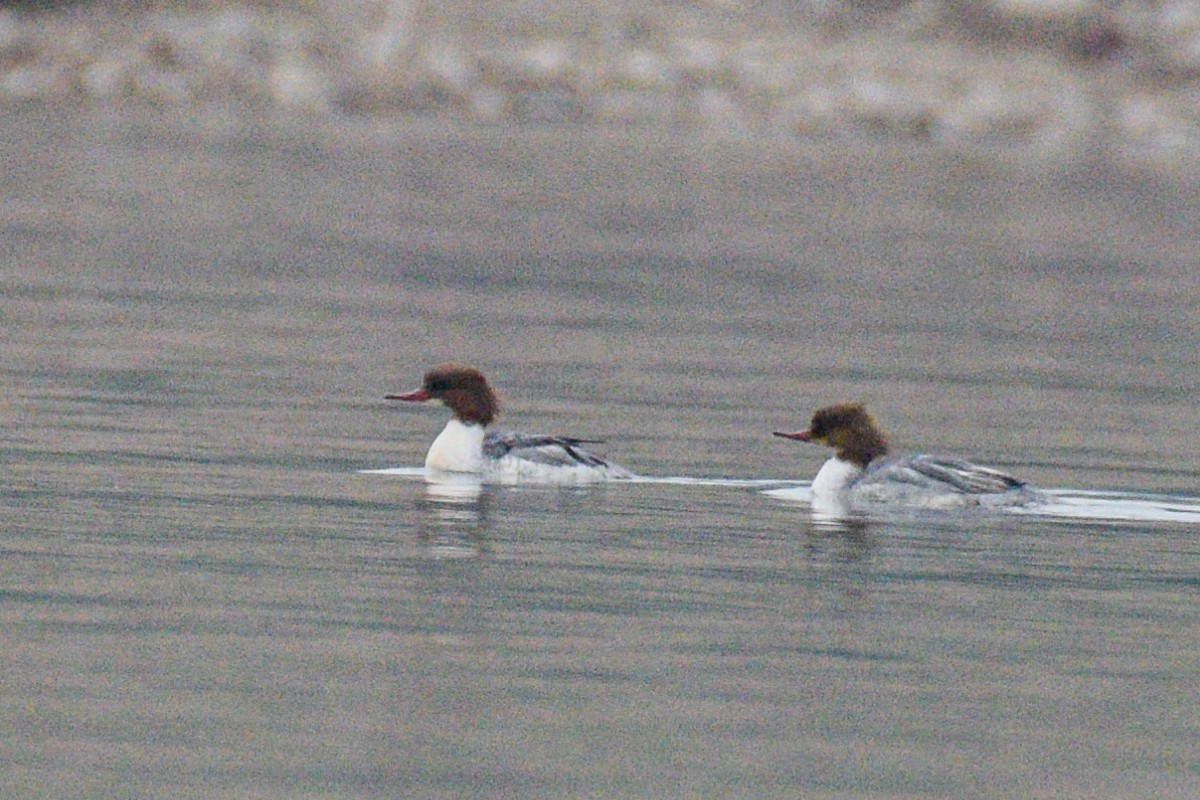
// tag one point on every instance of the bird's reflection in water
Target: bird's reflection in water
(834, 529)
(847, 536)
(842, 550)
(455, 511)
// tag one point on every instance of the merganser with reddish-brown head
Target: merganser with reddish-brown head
(467, 445)
(854, 477)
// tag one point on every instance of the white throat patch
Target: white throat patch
(832, 483)
(458, 448)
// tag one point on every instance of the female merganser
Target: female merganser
(850, 478)
(466, 444)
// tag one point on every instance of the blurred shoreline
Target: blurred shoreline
(1063, 79)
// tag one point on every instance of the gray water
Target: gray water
(202, 595)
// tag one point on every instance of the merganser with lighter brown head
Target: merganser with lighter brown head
(854, 477)
(466, 445)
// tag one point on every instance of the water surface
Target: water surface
(202, 595)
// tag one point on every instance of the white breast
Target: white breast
(458, 448)
(830, 487)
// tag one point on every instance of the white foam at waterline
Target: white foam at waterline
(680, 480)
(1114, 507)
(1063, 504)
(1075, 504)
(797, 494)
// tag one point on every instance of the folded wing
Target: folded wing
(959, 475)
(551, 450)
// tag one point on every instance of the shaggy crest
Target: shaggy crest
(851, 431)
(465, 391)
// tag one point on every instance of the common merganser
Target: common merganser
(853, 477)
(466, 445)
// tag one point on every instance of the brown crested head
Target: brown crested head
(464, 390)
(851, 431)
